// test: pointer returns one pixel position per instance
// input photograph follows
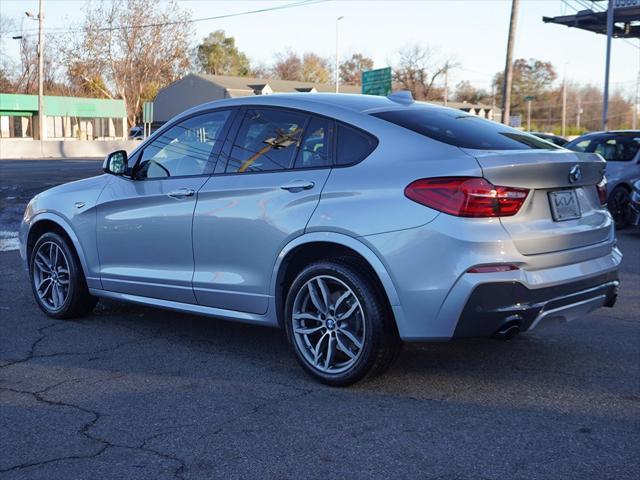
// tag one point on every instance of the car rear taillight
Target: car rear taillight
(602, 190)
(467, 196)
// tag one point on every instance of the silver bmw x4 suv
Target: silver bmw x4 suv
(353, 222)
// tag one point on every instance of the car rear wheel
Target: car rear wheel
(339, 323)
(57, 280)
(619, 206)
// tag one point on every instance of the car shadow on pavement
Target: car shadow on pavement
(550, 361)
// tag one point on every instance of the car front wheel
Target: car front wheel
(339, 324)
(57, 280)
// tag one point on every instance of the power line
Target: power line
(179, 22)
(587, 120)
(570, 81)
(591, 6)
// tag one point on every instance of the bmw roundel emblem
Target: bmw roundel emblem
(575, 174)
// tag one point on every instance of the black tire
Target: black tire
(619, 204)
(77, 300)
(381, 344)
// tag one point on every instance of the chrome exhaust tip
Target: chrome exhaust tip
(510, 329)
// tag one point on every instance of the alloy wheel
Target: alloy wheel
(51, 275)
(328, 324)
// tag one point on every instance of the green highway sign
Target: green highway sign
(377, 82)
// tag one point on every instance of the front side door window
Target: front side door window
(184, 149)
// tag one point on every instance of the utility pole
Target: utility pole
(578, 114)
(634, 118)
(41, 128)
(564, 106)
(493, 102)
(337, 56)
(508, 68)
(529, 99)
(605, 103)
(446, 84)
(41, 125)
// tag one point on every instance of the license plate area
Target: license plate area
(564, 205)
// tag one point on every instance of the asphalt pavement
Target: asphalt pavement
(138, 393)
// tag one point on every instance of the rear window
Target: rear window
(619, 148)
(353, 145)
(463, 130)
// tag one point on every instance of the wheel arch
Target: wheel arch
(311, 247)
(49, 222)
(622, 184)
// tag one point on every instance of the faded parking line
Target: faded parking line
(8, 241)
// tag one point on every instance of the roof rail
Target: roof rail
(403, 97)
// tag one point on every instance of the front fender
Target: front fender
(29, 223)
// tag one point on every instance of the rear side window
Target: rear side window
(315, 148)
(353, 145)
(463, 130)
(267, 140)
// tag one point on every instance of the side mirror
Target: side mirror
(116, 163)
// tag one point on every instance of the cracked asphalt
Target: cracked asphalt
(137, 393)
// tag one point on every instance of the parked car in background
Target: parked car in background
(621, 150)
(635, 204)
(354, 222)
(136, 133)
(549, 137)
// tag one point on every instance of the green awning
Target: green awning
(63, 106)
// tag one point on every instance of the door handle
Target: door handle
(182, 193)
(297, 185)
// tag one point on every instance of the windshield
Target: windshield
(613, 148)
(463, 130)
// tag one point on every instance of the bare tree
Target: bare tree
(418, 69)
(310, 68)
(22, 76)
(288, 66)
(6, 65)
(129, 49)
(27, 80)
(260, 70)
(465, 92)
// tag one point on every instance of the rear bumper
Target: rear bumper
(499, 306)
(429, 269)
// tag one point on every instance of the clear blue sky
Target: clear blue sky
(473, 32)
